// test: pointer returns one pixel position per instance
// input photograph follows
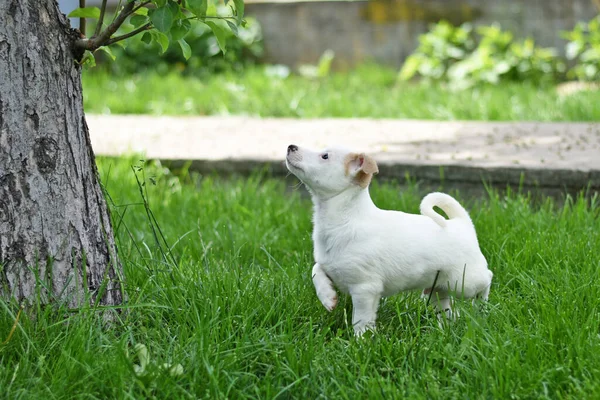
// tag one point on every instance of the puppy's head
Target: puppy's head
(330, 172)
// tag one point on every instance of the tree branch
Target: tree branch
(100, 40)
(101, 19)
(128, 35)
(82, 19)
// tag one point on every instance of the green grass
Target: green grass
(236, 307)
(369, 91)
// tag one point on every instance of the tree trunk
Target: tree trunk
(56, 239)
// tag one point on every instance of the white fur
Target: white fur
(369, 252)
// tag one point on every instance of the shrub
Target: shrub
(438, 50)
(584, 47)
(499, 58)
(495, 58)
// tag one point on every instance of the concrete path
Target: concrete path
(558, 155)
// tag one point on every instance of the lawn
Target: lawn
(230, 299)
(368, 91)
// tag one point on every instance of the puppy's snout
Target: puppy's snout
(292, 148)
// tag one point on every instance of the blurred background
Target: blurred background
(504, 60)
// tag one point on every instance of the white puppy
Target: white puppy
(369, 253)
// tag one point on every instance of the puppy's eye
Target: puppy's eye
(325, 156)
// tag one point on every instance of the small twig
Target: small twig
(101, 19)
(212, 17)
(82, 19)
(128, 35)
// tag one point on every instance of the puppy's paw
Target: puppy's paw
(324, 287)
(361, 329)
(328, 297)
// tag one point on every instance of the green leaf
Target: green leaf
(573, 49)
(212, 9)
(239, 10)
(180, 28)
(88, 59)
(185, 48)
(175, 9)
(591, 56)
(198, 7)
(85, 12)
(220, 34)
(501, 67)
(108, 51)
(162, 19)
(120, 43)
(410, 67)
(141, 11)
(161, 39)
(324, 65)
(232, 26)
(138, 20)
(146, 38)
(160, 3)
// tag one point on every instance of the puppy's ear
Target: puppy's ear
(362, 166)
(369, 165)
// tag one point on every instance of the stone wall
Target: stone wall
(387, 31)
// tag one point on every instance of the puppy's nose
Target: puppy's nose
(292, 148)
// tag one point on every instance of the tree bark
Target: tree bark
(56, 239)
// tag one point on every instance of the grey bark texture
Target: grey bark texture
(56, 239)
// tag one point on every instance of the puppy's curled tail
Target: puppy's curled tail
(448, 204)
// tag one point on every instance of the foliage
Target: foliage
(438, 50)
(369, 91)
(233, 313)
(244, 47)
(161, 22)
(499, 58)
(584, 47)
(448, 53)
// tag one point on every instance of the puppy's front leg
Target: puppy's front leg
(441, 302)
(325, 291)
(364, 310)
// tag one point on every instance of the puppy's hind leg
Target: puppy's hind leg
(324, 286)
